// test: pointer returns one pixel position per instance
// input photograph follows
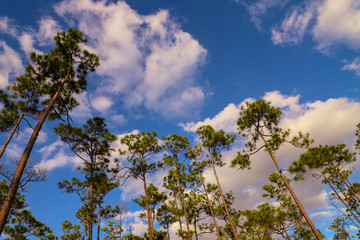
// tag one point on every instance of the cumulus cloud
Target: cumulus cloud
(329, 122)
(225, 120)
(337, 22)
(148, 60)
(10, 64)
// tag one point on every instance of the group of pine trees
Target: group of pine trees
(194, 205)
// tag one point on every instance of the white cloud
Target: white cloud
(338, 22)
(10, 64)
(117, 145)
(329, 122)
(42, 137)
(352, 66)
(139, 227)
(260, 8)
(289, 104)
(319, 216)
(118, 119)
(48, 27)
(27, 42)
(7, 26)
(13, 150)
(29, 37)
(225, 120)
(54, 156)
(101, 104)
(83, 111)
(295, 25)
(50, 149)
(148, 60)
(329, 22)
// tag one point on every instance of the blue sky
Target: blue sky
(170, 66)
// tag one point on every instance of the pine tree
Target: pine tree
(67, 67)
(140, 148)
(197, 168)
(333, 164)
(214, 143)
(91, 144)
(71, 231)
(150, 203)
(259, 122)
(177, 147)
(22, 99)
(21, 223)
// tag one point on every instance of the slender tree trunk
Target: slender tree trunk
(12, 133)
(179, 217)
(298, 222)
(348, 184)
(185, 212)
(168, 231)
(99, 222)
(222, 197)
(91, 203)
(308, 220)
(183, 202)
(6, 206)
(208, 200)
(151, 237)
(195, 229)
(340, 198)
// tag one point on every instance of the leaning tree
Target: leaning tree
(67, 67)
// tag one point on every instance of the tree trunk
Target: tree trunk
(12, 133)
(185, 212)
(168, 231)
(348, 184)
(99, 222)
(222, 197)
(179, 217)
(91, 203)
(340, 198)
(195, 229)
(208, 200)
(6, 206)
(151, 237)
(183, 202)
(308, 220)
